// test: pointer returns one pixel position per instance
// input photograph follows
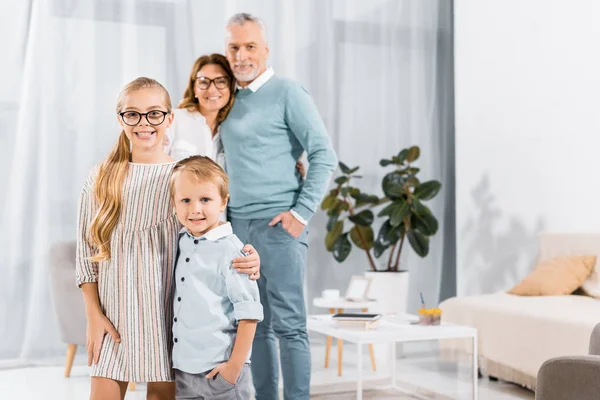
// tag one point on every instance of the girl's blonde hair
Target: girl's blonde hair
(205, 170)
(111, 176)
(191, 103)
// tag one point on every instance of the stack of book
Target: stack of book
(357, 320)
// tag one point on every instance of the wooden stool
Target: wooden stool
(339, 304)
(340, 345)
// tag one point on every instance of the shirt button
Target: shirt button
(196, 241)
(175, 340)
(179, 299)
(182, 279)
(175, 319)
(187, 259)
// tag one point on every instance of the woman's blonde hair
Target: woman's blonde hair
(205, 170)
(190, 102)
(108, 188)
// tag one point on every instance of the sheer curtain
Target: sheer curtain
(379, 71)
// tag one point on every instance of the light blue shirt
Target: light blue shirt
(210, 298)
(272, 122)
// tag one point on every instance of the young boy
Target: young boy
(215, 308)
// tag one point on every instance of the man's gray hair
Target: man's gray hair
(242, 18)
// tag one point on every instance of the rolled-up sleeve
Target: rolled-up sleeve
(243, 293)
(86, 271)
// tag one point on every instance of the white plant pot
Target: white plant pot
(390, 289)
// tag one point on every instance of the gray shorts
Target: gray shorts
(197, 387)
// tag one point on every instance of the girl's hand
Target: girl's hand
(97, 327)
(250, 264)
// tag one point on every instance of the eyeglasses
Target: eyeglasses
(203, 83)
(154, 117)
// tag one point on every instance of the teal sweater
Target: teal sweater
(264, 134)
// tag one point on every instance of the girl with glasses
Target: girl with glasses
(126, 249)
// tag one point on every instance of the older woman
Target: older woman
(208, 97)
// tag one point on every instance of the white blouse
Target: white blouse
(189, 135)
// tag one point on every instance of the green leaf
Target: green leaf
(399, 214)
(341, 180)
(331, 222)
(379, 248)
(367, 234)
(392, 185)
(363, 198)
(341, 248)
(346, 190)
(389, 209)
(333, 235)
(354, 192)
(353, 170)
(402, 156)
(384, 162)
(363, 218)
(427, 190)
(413, 154)
(426, 224)
(420, 208)
(328, 202)
(413, 180)
(389, 234)
(335, 208)
(419, 242)
(344, 168)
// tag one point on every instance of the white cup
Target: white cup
(330, 294)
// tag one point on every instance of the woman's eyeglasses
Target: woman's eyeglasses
(203, 83)
(154, 117)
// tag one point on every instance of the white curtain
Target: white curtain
(380, 72)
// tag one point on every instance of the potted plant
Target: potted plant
(405, 218)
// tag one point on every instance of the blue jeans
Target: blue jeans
(281, 286)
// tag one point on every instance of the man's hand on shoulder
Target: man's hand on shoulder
(289, 223)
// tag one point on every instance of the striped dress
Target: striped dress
(135, 285)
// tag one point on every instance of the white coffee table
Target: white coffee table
(340, 305)
(392, 330)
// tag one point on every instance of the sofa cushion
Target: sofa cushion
(556, 276)
(563, 244)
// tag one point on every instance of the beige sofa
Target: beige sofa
(517, 334)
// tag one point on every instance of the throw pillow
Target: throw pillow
(556, 276)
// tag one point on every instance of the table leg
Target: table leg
(475, 367)
(393, 365)
(340, 346)
(328, 347)
(371, 351)
(359, 371)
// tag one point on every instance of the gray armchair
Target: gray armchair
(68, 300)
(572, 377)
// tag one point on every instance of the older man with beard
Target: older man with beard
(272, 122)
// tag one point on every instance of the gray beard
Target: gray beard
(248, 77)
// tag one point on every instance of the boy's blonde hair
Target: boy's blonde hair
(205, 170)
(109, 182)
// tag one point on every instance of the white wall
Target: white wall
(527, 132)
